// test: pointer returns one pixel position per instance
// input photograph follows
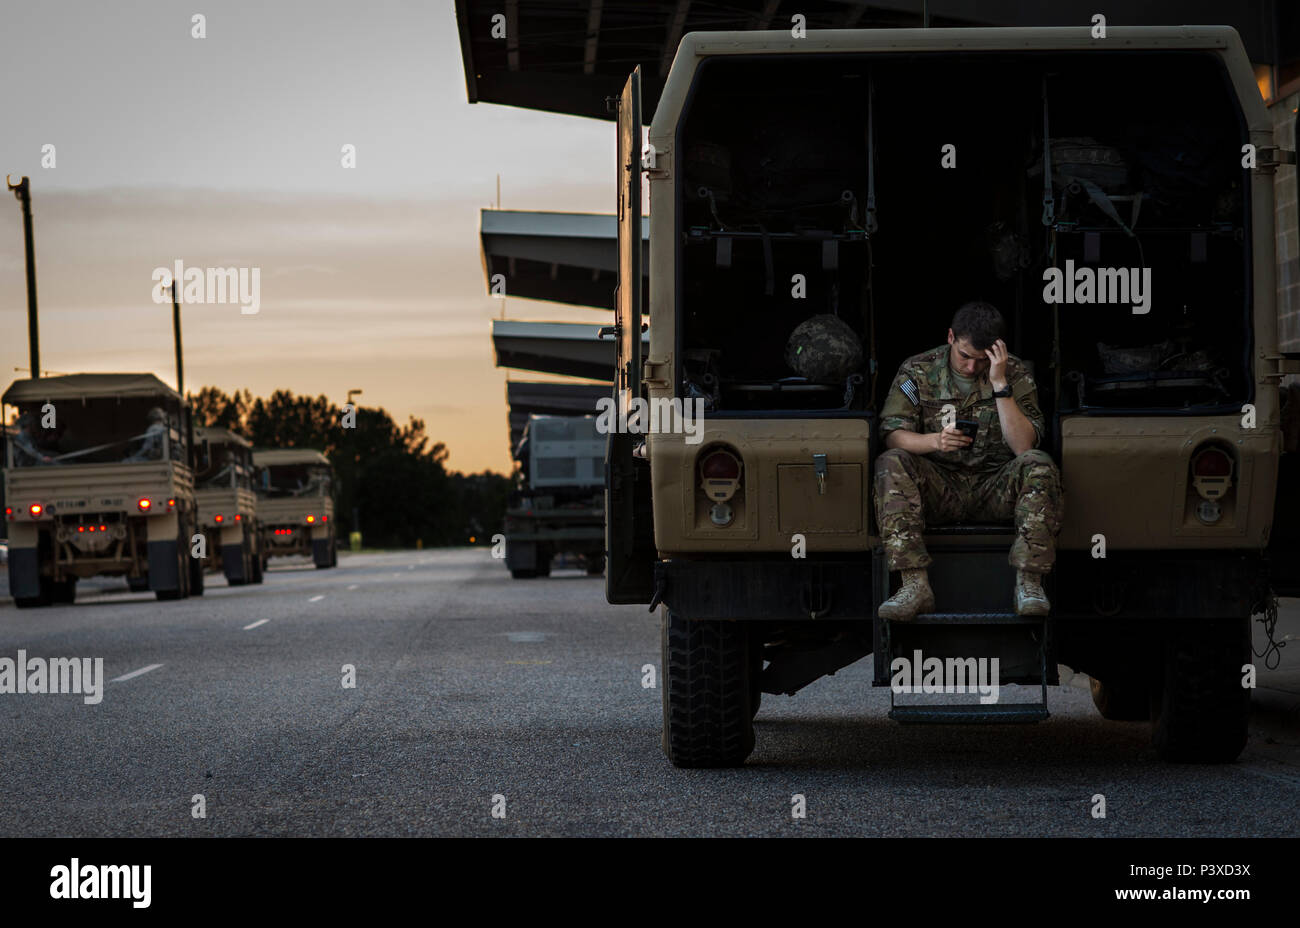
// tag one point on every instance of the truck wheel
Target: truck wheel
(138, 584)
(65, 591)
(1199, 709)
(708, 703)
(1122, 699)
(196, 575)
(595, 565)
(182, 574)
(44, 598)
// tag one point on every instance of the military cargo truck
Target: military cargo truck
(98, 482)
(295, 504)
(227, 504)
(557, 507)
(885, 178)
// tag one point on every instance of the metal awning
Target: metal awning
(568, 56)
(562, 257)
(570, 349)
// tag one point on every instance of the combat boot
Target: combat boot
(912, 597)
(1030, 598)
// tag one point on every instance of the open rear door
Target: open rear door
(629, 531)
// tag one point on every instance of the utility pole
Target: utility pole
(176, 332)
(22, 190)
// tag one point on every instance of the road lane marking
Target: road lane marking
(316, 599)
(352, 587)
(134, 673)
(257, 623)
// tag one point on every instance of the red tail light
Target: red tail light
(144, 505)
(82, 528)
(1212, 462)
(36, 509)
(237, 517)
(171, 503)
(720, 465)
(218, 518)
(311, 518)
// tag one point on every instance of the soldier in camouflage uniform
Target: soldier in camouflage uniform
(932, 473)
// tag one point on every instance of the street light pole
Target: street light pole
(176, 334)
(22, 190)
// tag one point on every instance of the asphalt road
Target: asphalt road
(470, 685)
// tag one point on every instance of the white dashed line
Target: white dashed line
(257, 623)
(134, 673)
(316, 599)
(352, 587)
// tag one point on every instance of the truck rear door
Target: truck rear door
(629, 531)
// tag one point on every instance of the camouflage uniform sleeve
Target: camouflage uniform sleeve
(1025, 392)
(899, 411)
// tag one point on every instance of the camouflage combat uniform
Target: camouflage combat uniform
(985, 482)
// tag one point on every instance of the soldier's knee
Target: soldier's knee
(1035, 459)
(895, 460)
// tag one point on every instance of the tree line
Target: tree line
(393, 477)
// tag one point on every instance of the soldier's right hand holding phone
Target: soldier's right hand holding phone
(952, 439)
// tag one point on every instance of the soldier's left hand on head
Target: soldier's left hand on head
(997, 355)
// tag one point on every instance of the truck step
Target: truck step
(1009, 713)
(976, 618)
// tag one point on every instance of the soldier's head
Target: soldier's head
(27, 423)
(975, 327)
(156, 415)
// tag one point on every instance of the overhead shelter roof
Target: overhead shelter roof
(271, 457)
(555, 399)
(87, 386)
(218, 435)
(568, 56)
(562, 257)
(570, 349)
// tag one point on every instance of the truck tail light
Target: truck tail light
(218, 518)
(720, 465)
(171, 504)
(36, 509)
(720, 479)
(311, 518)
(144, 504)
(1212, 468)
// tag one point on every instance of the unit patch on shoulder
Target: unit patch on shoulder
(909, 390)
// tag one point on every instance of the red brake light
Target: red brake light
(324, 518)
(144, 504)
(103, 528)
(1212, 462)
(35, 509)
(171, 503)
(237, 517)
(311, 518)
(720, 465)
(82, 528)
(218, 518)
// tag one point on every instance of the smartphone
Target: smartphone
(967, 427)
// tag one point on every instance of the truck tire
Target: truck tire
(138, 584)
(44, 598)
(196, 574)
(182, 574)
(1199, 709)
(708, 703)
(520, 573)
(1122, 699)
(595, 565)
(65, 591)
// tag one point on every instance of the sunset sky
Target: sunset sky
(225, 151)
